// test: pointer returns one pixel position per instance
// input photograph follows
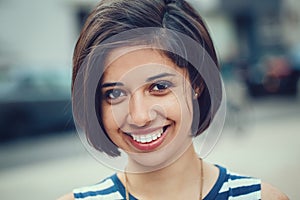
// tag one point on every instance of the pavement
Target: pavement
(261, 138)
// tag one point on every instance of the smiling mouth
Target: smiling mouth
(150, 137)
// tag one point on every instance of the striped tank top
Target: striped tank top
(228, 186)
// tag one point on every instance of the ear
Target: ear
(197, 91)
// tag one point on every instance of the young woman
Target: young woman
(145, 83)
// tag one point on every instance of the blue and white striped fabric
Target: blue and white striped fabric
(105, 190)
(228, 186)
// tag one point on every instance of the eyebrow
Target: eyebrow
(104, 85)
(158, 76)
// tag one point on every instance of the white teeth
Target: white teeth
(154, 137)
(149, 137)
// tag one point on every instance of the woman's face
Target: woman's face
(146, 101)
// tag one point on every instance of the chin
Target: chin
(161, 158)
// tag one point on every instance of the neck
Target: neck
(183, 174)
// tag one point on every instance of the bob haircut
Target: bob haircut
(112, 17)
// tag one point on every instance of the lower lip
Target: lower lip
(149, 146)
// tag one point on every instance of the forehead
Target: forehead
(138, 62)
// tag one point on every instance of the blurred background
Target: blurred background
(41, 156)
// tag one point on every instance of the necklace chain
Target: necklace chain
(201, 181)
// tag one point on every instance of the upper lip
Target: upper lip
(144, 131)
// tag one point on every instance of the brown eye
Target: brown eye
(160, 86)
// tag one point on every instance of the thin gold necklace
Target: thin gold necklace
(201, 182)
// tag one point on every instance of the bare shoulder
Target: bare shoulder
(67, 197)
(269, 192)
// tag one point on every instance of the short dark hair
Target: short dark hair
(112, 17)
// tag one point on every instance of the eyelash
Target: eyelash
(118, 91)
(114, 96)
(166, 86)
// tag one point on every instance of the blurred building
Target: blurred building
(291, 22)
(37, 39)
(39, 32)
(260, 40)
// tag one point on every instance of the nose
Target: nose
(139, 110)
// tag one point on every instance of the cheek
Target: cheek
(172, 109)
(184, 109)
(183, 101)
(177, 108)
(108, 119)
(110, 125)
(114, 116)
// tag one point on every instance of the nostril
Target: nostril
(139, 119)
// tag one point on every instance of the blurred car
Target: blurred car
(272, 75)
(34, 101)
